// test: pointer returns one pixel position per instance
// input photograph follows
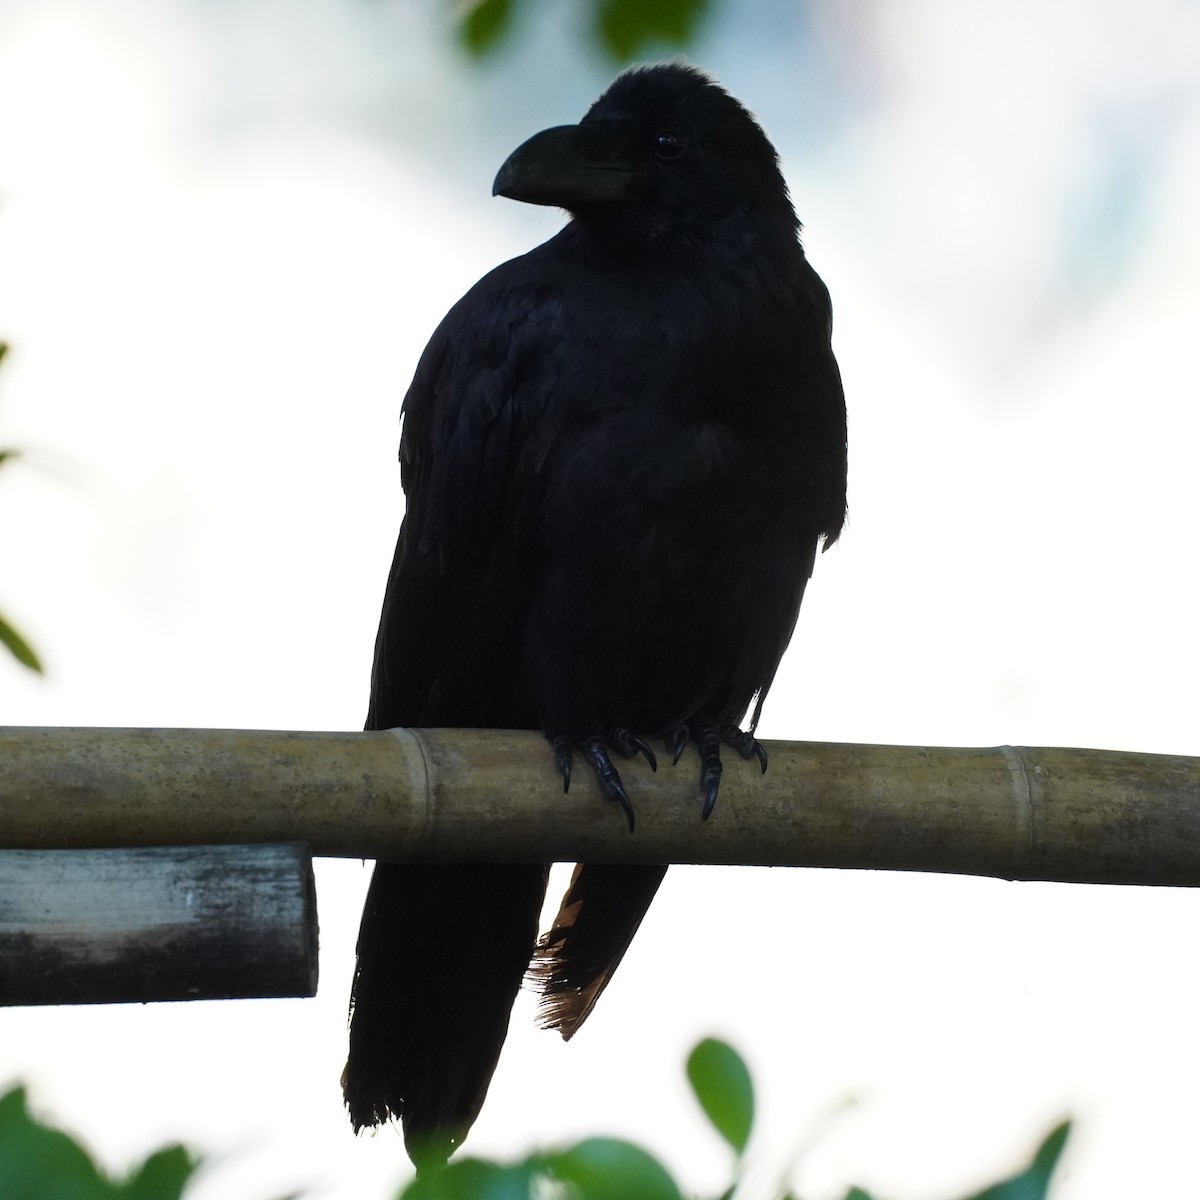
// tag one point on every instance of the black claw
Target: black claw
(679, 740)
(746, 744)
(561, 745)
(626, 807)
(606, 773)
(622, 741)
(709, 740)
(629, 744)
(643, 747)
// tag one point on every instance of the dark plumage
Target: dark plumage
(621, 452)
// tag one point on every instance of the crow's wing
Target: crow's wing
(479, 425)
(442, 949)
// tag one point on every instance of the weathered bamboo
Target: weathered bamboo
(474, 795)
(168, 923)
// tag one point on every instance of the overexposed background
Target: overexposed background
(227, 230)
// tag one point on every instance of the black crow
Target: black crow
(620, 452)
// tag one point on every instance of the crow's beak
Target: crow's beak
(567, 166)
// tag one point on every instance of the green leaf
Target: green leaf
(856, 1193)
(625, 28)
(37, 1163)
(20, 649)
(163, 1176)
(8, 455)
(609, 1169)
(721, 1082)
(475, 1179)
(1034, 1182)
(484, 25)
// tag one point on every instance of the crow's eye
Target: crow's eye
(669, 147)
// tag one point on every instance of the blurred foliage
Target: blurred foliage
(484, 25)
(10, 639)
(609, 1169)
(40, 1163)
(1034, 1181)
(18, 647)
(721, 1083)
(624, 29)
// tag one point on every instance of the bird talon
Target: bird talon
(561, 745)
(643, 747)
(610, 780)
(630, 745)
(708, 739)
(626, 805)
(622, 741)
(679, 741)
(745, 743)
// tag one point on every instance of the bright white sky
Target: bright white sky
(225, 234)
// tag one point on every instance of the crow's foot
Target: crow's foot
(630, 745)
(745, 743)
(595, 749)
(708, 736)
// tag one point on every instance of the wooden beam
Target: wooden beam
(1094, 816)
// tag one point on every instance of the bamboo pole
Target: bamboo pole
(1093, 816)
(128, 926)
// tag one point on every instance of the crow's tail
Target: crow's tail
(596, 922)
(442, 951)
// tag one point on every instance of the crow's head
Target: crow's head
(665, 152)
